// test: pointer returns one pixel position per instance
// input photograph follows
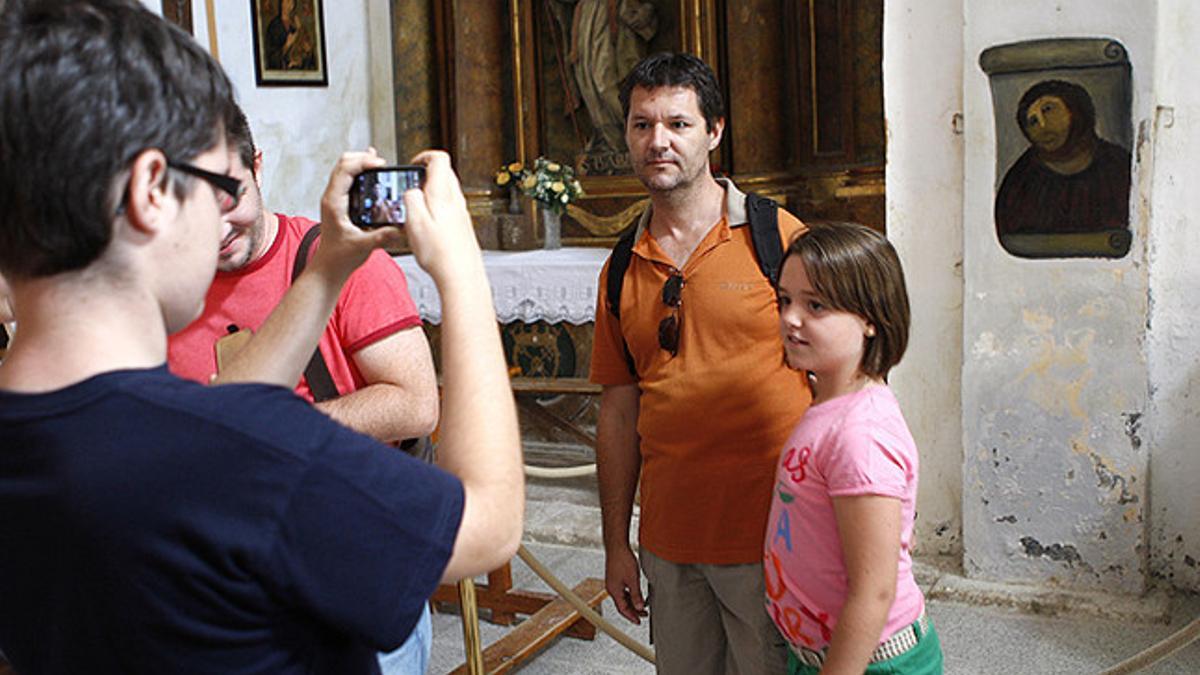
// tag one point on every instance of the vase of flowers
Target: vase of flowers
(509, 177)
(552, 184)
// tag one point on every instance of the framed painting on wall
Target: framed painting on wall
(289, 43)
(1064, 138)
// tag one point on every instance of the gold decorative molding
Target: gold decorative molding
(514, 16)
(211, 22)
(607, 226)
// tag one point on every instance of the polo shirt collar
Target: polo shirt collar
(735, 208)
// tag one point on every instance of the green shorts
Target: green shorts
(924, 659)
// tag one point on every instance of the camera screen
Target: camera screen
(377, 197)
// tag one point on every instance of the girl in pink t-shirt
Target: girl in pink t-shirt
(837, 551)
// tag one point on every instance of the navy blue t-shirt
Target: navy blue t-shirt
(153, 525)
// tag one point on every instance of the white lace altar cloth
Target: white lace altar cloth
(553, 286)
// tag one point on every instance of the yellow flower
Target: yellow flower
(557, 186)
(553, 166)
(514, 167)
(529, 182)
(502, 178)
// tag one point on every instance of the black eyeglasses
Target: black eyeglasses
(668, 328)
(229, 189)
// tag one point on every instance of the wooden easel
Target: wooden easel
(549, 615)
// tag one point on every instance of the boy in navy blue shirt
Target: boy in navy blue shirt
(154, 525)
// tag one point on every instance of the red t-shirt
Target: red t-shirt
(374, 303)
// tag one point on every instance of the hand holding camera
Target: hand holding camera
(439, 226)
(366, 203)
(377, 195)
(344, 246)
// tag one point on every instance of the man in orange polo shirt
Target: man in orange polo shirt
(712, 401)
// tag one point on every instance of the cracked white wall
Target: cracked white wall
(924, 221)
(1074, 377)
(1172, 428)
(1055, 487)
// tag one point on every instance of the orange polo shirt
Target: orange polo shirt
(713, 418)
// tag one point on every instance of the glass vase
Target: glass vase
(551, 229)
(514, 200)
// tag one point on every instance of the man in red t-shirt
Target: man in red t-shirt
(373, 345)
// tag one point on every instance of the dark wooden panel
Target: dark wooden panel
(481, 114)
(867, 28)
(417, 72)
(178, 12)
(837, 75)
(833, 99)
(761, 120)
(825, 76)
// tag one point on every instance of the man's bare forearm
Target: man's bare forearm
(385, 411)
(282, 346)
(480, 441)
(618, 460)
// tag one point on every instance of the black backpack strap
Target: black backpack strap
(763, 214)
(305, 246)
(320, 382)
(618, 264)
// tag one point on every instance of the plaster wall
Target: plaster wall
(1055, 374)
(1172, 429)
(924, 217)
(303, 130)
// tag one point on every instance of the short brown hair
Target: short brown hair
(855, 269)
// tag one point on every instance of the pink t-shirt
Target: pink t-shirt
(857, 444)
(374, 304)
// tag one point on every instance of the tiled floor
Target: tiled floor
(563, 532)
(975, 640)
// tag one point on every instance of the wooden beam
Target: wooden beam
(554, 385)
